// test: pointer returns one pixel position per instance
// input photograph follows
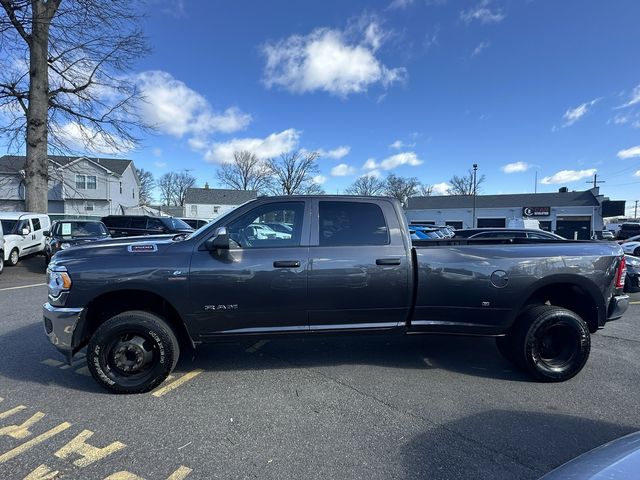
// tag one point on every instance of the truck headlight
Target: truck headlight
(58, 280)
(64, 245)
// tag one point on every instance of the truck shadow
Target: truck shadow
(529, 445)
(28, 356)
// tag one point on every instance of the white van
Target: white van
(1, 249)
(23, 234)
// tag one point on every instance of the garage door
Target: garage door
(568, 227)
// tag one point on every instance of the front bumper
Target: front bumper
(59, 325)
(617, 306)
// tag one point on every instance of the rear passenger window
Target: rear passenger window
(116, 222)
(140, 223)
(352, 223)
(36, 224)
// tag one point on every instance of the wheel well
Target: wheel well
(570, 296)
(102, 308)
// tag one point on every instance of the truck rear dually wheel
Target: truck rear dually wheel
(551, 343)
(132, 352)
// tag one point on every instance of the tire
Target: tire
(133, 352)
(47, 259)
(551, 343)
(1, 261)
(14, 257)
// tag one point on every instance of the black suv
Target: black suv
(69, 233)
(136, 225)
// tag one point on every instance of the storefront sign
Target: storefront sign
(536, 211)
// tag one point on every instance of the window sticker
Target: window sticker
(66, 229)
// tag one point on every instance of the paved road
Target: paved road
(373, 408)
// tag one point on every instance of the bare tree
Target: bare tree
(425, 190)
(366, 185)
(173, 187)
(63, 82)
(147, 184)
(246, 172)
(293, 174)
(464, 185)
(401, 188)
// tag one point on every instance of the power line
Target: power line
(595, 180)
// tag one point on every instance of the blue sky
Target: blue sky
(419, 88)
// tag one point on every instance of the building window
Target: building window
(120, 188)
(133, 193)
(194, 210)
(490, 222)
(216, 209)
(86, 182)
(89, 206)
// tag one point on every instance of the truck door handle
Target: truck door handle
(286, 263)
(388, 261)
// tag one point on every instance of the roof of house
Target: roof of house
(556, 199)
(15, 163)
(218, 196)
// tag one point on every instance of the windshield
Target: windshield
(175, 223)
(81, 229)
(8, 226)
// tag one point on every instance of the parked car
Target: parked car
(631, 247)
(632, 279)
(195, 223)
(261, 231)
(280, 227)
(615, 460)
(628, 229)
(605, 235)
(71, 233)
(23, 234)
(630, 239)
(424, 233)
(507, 233)
(135, 225)
(349, 266)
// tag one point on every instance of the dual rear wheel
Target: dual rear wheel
(551, 343)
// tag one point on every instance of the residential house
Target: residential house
(210, 203)
(84, 186)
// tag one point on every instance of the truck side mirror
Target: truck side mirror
(219, 241)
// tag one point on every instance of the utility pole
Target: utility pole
(475, 186)
(595, 180)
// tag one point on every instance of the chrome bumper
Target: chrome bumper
(617, 306)
(59, 325)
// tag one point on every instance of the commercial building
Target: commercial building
(570, 214)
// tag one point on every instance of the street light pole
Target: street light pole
(475, 186)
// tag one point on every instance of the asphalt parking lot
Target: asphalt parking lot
(363, 407)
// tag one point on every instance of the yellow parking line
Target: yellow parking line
(23, 286)
(175, 384)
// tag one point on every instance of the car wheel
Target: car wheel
(133, 352)
(14, 256)
(551, 343)
(47, 259)
(1, 261)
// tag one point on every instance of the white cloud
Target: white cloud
(271, 146)
(629, 152)
(319, 179)
(329, 60)
(565, 176)
(515, 167)
(482, 13)
(440, 188)
(175, 109)
(336, 153)
(342, 170)
(157, 152)
(160, 164)
(370, 164)
(84, 138)
(399, 144)
(635, 98)
(637, 174)
(478, 50)
(572, 115)
(375, 173)
(399, 4)
(405, 158)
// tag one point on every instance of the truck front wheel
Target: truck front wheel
(551, 343)
(132, 352)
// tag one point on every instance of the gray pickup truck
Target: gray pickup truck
(339, 264)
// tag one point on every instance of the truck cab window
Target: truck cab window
(252, 230)
(352, 223)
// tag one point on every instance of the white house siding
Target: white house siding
(130, 196)
(206, 211)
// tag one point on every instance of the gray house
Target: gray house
(210, 203)
(85, 186)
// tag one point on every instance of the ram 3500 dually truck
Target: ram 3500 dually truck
(342, 265)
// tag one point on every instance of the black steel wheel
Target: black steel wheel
(132, 352)
(551, 343)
